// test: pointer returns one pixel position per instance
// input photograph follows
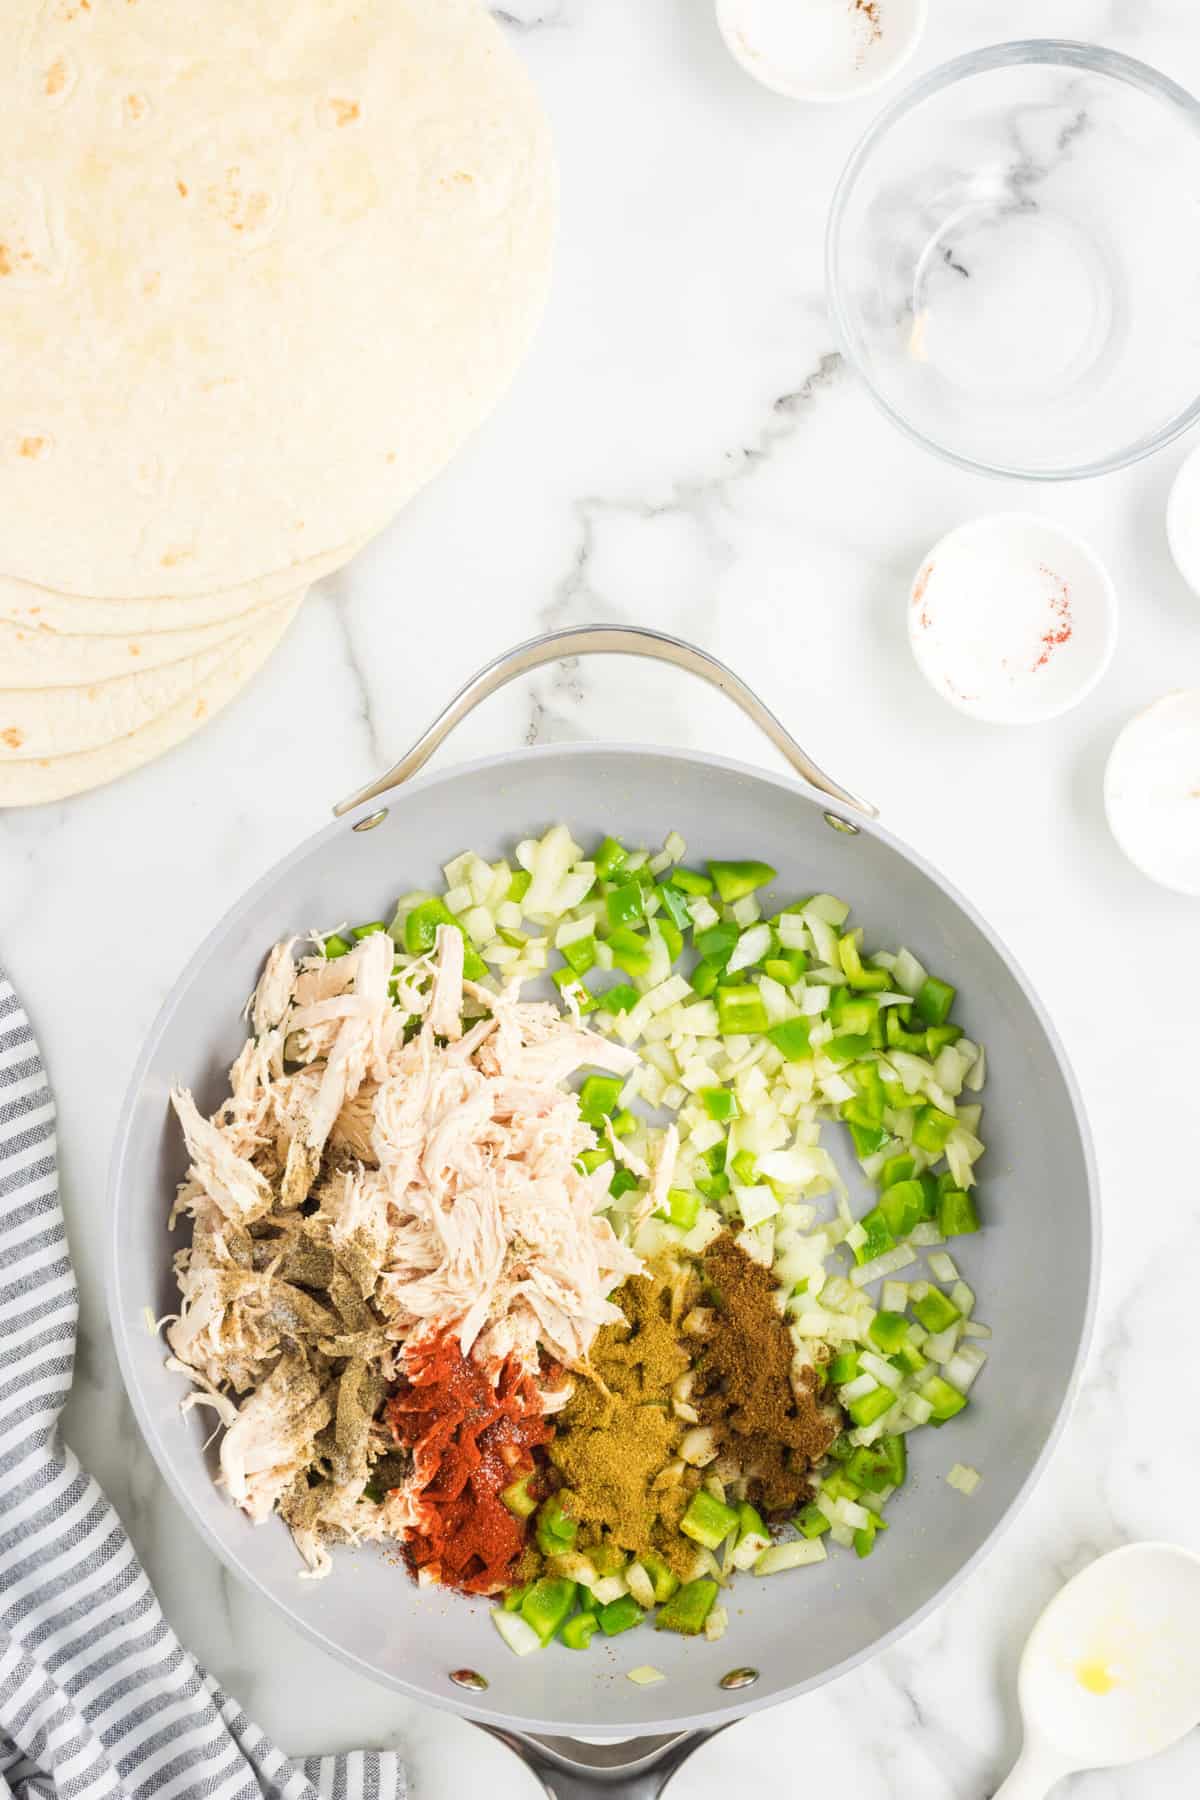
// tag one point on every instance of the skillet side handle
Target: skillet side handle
(634, 1769)
(604, 640)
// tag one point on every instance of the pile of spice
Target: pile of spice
(616, 1449)
(774, 1428)
(471, 1432)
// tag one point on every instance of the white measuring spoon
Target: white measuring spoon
(1111, 1672)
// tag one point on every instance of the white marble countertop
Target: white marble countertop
(685, 449)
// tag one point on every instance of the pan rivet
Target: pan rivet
(739, 1678)
(470, 1679)
(374, 819)
(831, 819)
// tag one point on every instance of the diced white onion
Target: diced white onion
(517, 1632)
(795, 1555)
(964, 1478)
(887, 1264)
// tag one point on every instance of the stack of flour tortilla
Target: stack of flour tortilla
(263, 266)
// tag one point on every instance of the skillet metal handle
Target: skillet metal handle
(604, 640)
(635, 1769)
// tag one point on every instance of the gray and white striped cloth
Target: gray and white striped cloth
(98, 1699)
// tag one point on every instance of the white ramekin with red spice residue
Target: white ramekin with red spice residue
(1012, 619)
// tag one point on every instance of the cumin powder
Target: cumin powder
(618, 1432)
(773, 1428)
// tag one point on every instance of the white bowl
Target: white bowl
(1152, 791)
(822, 50)
(1012, 619)
(1183, 520)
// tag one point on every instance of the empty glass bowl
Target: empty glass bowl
(1013, 260)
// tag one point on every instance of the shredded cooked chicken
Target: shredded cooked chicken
(396, 1157)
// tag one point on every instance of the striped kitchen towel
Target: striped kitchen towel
(98, 1699)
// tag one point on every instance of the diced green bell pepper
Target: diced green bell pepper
(546, 1604)
(620, 999)
(734, 880)
(581, 954)
(843, 1368)
(849, 954)
(864, 1540)
(740, 1011)
(792, 1039)
(903, 1206)
(336, 945)
(683, 1207)
(421, 926)
(849, 1048)
(956, 1213)
(625, 904)
(879, 1238)
(939, 1036)
(908, 1360)
(931, 1190)
(888, 1330)
(708, 1521)
(867, 1139)
(935, 1311)
(610, 857)
(598, 1097)
(370, 930)
(622, 1123)
(675, 905)
(786, 966)
(811, 1522)
(620, 1615)
(898, 1036)
(870, 1468)
(690, 881)
(896, 1168)
(895, 1449)
(705, 978)
(630, 950)
(420, 935)
(519, 886)
(869, 1407)
(871, 1097)
(931, 1129)
(744, 1168)
(568, 982)
(663, 1580)
(578, 1632)
(688, 1608)
(588, 1161)
(671, 936)
(513, 1598)
(945, 1400)
(623, 1182)
(935, 1000)
(556, 1528)
(716, 944)
(750, 1522)
(719, 1103)
(714, 1187)
(853, 1013)
(607, 1558)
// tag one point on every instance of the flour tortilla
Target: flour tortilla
(32, 659)
(263, 266)
(61, 721)
(36, 783)
(71, 615)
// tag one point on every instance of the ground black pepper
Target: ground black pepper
(744, 1388)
